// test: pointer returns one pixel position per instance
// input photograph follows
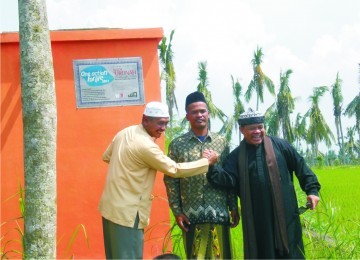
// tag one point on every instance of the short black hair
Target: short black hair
(196, 96)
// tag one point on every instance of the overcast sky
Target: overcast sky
(315, 38)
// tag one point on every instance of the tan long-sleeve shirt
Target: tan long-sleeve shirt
(134, 158)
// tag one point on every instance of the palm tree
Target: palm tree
(272, 125)
(231, 122)
(203, 85)
(39, 126)
(337, 101)
(318, 129)
(278, 114)
(285, 106)
(353, 109)
(166, 55)
(259, 80)
(351, 146)
(330, 158)
(299, 130)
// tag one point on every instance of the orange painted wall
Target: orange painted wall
(83, 135)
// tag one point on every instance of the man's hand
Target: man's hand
(183, 222)
(211, 155)
(235, 218)
(313, 200)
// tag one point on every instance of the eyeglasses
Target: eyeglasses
(303, 209)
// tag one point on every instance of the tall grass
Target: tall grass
(332, 231)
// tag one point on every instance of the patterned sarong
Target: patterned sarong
(207, 241)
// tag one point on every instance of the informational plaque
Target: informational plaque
(108, 82)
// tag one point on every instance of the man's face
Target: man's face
(155, 126)
(197, 115)
(254, 133)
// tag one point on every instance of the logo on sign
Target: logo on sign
(133, 94)
(96, 76)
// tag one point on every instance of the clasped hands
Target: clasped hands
(211, 155)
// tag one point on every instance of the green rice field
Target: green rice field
(340, 190)
(333, 230)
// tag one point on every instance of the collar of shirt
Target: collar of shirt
(191, 135)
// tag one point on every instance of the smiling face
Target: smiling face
(155, 126)
(253, 134)
(198, 116)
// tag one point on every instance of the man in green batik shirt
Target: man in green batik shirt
(201, 211)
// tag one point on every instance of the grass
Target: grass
(340, 187)
(333, 230)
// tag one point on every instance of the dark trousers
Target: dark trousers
(123, 242)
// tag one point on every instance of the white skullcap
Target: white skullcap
(156, 109)
(251, 117)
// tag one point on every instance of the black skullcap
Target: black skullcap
(196, 96)
(251, 117)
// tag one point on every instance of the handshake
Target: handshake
(211, 155)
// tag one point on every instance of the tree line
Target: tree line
(305, 132)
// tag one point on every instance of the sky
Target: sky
(316, 39)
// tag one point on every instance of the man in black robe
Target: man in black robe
(261, 171)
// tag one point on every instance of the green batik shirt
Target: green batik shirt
(195, 196)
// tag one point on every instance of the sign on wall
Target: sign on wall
(108, 82)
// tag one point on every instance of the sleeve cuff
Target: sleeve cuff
(313, 192)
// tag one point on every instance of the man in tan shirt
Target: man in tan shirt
(134, 158)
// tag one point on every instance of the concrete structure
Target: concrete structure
(83, 134)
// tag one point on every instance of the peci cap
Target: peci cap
(251, 117)
(156, 109)
(196, 96)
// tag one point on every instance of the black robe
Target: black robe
(258, 218)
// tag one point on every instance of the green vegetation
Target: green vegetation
(333, 230)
